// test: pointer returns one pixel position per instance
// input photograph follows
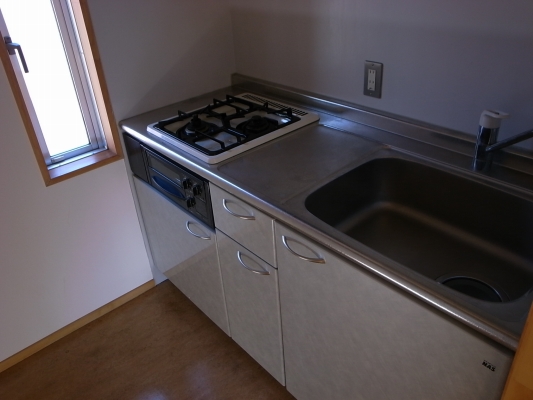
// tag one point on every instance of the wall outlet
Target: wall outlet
(373, 79)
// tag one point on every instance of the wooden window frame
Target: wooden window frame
(114, 150)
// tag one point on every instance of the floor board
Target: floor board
(158, 346)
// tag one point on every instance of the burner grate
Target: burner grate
(226, 124)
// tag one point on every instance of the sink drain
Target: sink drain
(474, 288)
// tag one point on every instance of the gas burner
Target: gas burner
(228, 127)
(195, 126)
(257, 125)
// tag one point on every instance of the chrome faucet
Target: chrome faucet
(486, 144)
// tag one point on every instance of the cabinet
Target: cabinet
(245, 242)
(348, 334)
(252, 298)
(184, 250)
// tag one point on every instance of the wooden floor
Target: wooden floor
(158, 346)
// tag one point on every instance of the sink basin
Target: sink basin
(467, 235)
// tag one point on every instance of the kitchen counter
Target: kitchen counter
(277, 177)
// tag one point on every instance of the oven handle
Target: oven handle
(262, 271)
(187, 225)
(246, 217)
(161, 185)
(317, 260)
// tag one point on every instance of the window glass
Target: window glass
(32, 24)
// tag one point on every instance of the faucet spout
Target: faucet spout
(487, 144)
(510, 141)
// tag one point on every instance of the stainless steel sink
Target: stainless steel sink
(461, 232)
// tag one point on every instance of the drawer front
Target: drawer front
(252, 299)
(184, 250)
(243, 223)
(166, 225)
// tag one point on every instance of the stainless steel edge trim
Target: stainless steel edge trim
(194, 234)
(245, 217)
(344, 109)
(461, 142)
(255, 271)
(317, 260)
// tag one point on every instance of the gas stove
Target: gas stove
(225, 128)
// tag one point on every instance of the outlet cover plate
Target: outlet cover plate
(373, 79)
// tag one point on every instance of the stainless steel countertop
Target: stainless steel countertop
(277, 177)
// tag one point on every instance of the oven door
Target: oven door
(186, 189)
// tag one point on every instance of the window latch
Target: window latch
(12, 48)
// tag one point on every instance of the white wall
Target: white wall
(70, 248)
(66, 249)
(444, 61)
(162, 51)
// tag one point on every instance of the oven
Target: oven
(184, 188)
(219, 130)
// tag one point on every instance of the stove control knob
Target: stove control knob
(186, 183)
(197, 190)
(191, 202)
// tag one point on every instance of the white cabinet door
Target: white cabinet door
(243, 223)
(184, 250)
(252, 298)
(347, 334)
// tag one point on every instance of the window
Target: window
(62, 96)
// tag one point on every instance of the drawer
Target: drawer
(243, 223)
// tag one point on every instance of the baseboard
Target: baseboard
(61, 333)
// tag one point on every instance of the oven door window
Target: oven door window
(169, 189)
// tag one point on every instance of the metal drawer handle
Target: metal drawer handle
(194, 234)
(260, 272)
(317, 260)
(246, 217)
